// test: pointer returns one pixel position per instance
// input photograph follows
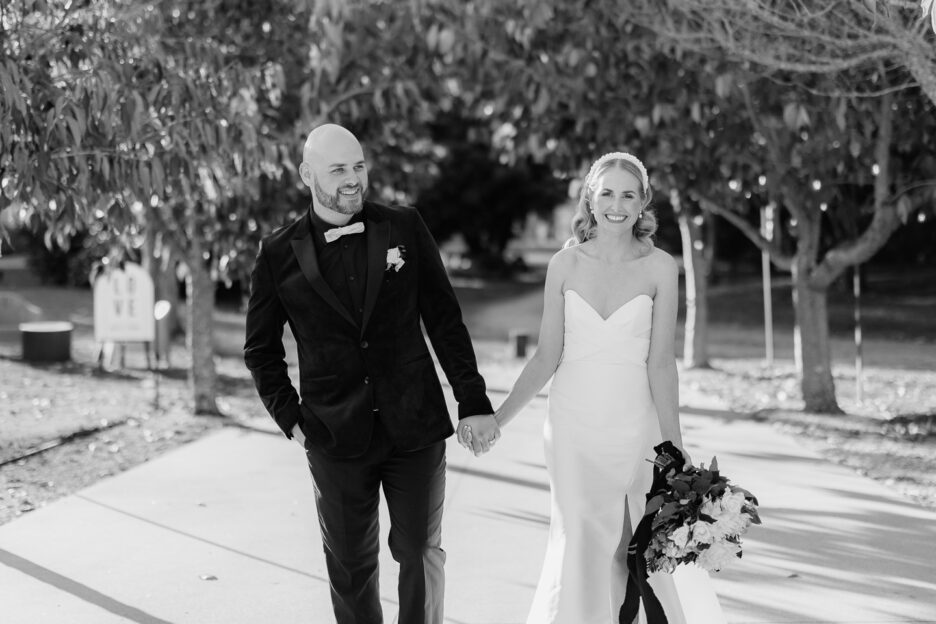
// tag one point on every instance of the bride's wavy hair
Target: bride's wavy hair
(584, 225)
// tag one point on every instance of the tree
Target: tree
(847, 51)
(173, 116)
(114, 111)
(829, 171)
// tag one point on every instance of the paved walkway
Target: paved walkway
(224, 530)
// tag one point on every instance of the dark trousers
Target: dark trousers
(347, 494)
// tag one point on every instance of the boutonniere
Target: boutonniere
(395, 257)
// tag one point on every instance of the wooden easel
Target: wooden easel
(110, 350)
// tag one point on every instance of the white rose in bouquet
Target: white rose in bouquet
(680, 537)
(703, 533)
(729, 525)
(718, 555)
(732, 502)
(710, 507)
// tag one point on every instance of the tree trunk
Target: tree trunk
(201, 298)
(695, 265)
(811, 332)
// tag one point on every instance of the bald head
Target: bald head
(333, 167)
(327, 139)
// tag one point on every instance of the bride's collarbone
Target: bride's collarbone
(612, 263)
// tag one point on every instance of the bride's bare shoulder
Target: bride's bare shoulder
(565, 258)
(662, 259)
(562, 264)
(662, 264)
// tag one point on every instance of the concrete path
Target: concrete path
(224, 530)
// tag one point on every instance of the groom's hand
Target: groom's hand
(478, 433)
(297, 435)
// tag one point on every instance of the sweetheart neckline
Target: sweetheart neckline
(619, 308)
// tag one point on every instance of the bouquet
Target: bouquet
(698, 517)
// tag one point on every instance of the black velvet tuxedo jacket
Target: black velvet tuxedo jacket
(348, 370)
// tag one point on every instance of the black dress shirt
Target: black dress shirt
(343, 263)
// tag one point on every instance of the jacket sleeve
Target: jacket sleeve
(264, 353)
(442, 317)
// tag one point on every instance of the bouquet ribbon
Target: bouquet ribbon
(638, 588)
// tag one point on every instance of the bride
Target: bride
(607, 339)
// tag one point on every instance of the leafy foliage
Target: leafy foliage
(113, 109)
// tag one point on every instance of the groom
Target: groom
(353, 279)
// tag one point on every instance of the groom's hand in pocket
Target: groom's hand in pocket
(298, 435)
(478, 433)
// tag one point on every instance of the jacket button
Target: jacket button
(367, 380)
(364, 344)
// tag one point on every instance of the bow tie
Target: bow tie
(336, 233)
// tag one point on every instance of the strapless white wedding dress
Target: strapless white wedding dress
(601, 426)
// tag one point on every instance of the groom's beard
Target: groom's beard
(341, 203)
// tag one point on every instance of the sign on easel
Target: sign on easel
(123, 305)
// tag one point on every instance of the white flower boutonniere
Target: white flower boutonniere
(395, 258)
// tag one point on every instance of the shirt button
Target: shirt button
(364, 344)
(351, 278)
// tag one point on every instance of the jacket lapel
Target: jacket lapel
(304, 248)
(378, 237)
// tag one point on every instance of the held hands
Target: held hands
(478, 433)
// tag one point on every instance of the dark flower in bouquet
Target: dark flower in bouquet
(699, 517)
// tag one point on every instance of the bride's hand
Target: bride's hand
(686, 457)
(478, 434)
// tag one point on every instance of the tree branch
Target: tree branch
(839, 37)
(856, 251)
(779, 259)
(912, 187)
(828, 66)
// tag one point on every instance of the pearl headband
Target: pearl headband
(644, 178)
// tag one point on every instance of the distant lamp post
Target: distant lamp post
(859, 355)
(767, 231)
